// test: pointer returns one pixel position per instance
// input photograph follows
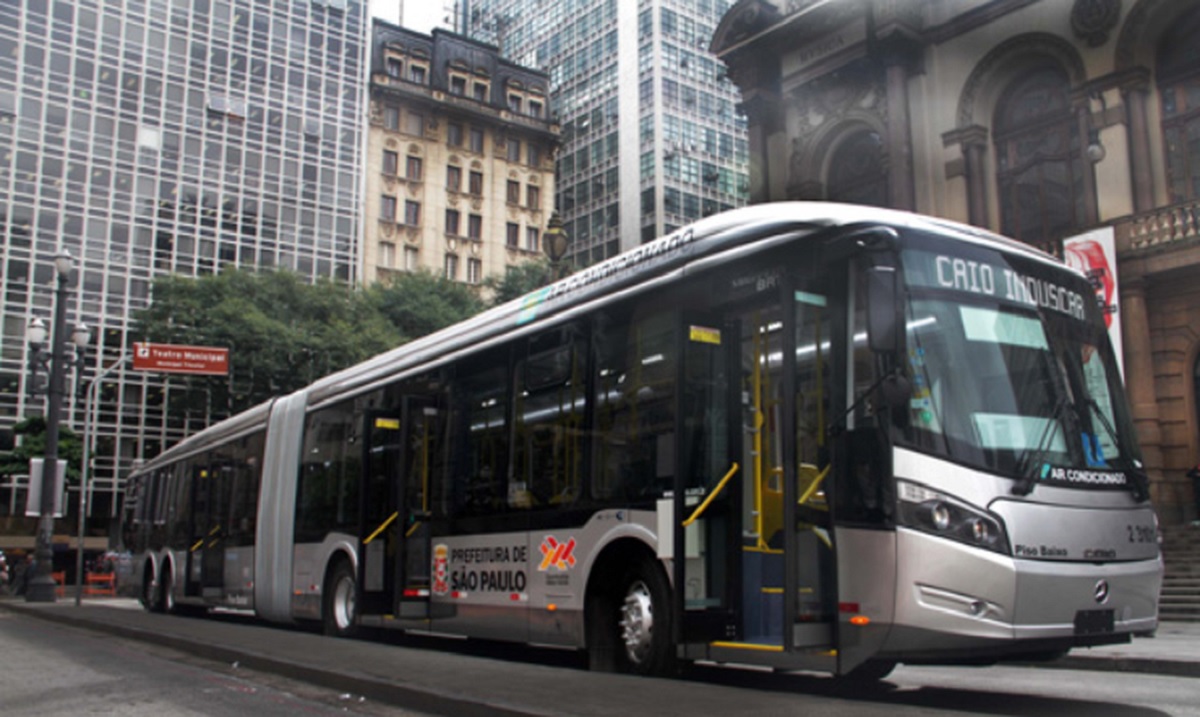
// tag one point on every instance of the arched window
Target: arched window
(1179, 87)
(856, 172)
(1039, 165)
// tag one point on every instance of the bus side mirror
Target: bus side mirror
(884, 325)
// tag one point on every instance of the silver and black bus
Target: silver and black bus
(809, 436)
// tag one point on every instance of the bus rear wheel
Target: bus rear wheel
(151, 595)
(340, 611)
(644, 621)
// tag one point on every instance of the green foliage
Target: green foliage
(282, 333)
(33, 445)
(520, 280)
(420, 302)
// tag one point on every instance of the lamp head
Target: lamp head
(37, 333)
(81, 336)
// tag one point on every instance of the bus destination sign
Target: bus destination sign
(171, 358)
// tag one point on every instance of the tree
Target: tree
(33, 445)
(282, 332)
(519, 280)
(420, 302)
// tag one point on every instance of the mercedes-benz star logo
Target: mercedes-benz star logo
(1101, 591)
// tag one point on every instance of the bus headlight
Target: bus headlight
(936, 513)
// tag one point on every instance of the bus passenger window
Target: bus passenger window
(482, 437)
(635, 407)
(550, 406)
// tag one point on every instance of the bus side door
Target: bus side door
(379, 531)
(418, 456)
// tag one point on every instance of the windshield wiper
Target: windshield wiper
(1024, 484)
(1139, 482)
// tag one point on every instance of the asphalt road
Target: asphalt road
(120, 665)
(49, 670)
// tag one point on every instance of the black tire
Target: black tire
(642, 628)
(339, 609)
(166, 592)
(151, 596)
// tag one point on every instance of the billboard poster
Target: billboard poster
(1095, 254)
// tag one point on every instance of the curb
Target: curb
(421, 700)
(1143, 665)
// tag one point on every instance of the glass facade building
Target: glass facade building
(651, 137)
(166, 136)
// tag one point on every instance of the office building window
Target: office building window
(416, 73)
(395, 67)
(412, 213)
(391, 118)
(481, 91)
(452, 267)
(535, 109)
(458, 85)
(514, 150)
(514, 103)
(514, 192)
(391, 162)
(474, 271)
(414, 168)
(452, 222)
(412, 258)
(453, 178)
(531, 239)
(387, 208)
(533, 153)
(454, 134)
(477, 140)
(475, 226)
(512, 235)
(476, 180)
(414, 123)
(533, 197)
(387, 254)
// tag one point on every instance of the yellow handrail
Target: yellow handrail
(711, 496)
(812, 488)
(381, 528)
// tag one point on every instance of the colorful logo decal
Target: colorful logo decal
(557, 555)
(440, 571)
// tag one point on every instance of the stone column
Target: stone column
(973, 141)
(1139, 376)
(898, 63)
(1134, 94)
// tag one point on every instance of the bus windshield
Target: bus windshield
(1012, 371)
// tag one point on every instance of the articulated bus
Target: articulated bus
(800, 436)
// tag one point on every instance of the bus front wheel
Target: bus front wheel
(340, 614)
(644, 621)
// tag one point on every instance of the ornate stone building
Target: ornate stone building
(460, 157)
(1040, 119)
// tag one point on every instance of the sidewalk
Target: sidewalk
(448, 682)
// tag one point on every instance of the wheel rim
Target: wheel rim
(637, 622)
(343, 603)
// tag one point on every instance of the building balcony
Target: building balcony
(1174, 226)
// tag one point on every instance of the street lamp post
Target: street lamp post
(41, 586)
(555, 241)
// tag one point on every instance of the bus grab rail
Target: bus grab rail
(381, 528)
(711, 496)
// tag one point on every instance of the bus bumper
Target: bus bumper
(956, 602)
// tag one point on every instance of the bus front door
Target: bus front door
(753, 416)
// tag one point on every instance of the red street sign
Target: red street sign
(169, 358)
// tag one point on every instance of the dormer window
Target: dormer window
(395, 67)
(416, 73)
(514, 103)
(535, 109)
(458, 85)
(479, 92)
